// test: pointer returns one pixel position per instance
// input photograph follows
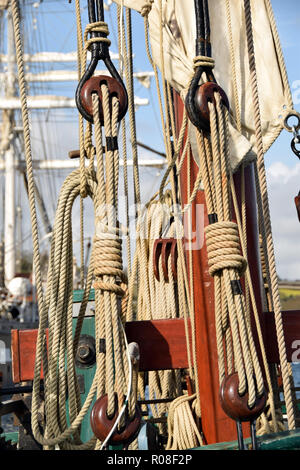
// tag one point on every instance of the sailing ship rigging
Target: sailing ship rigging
(187, 343)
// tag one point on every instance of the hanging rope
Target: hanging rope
(265, 221)
(55, 308)
(225, 260)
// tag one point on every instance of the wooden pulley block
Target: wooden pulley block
(164, 248)
(204, 95)
(102, 424)
(236, 405)
(297, 202)
(115, 88)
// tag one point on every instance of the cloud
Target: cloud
(283, 186)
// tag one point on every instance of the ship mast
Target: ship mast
(7, 145)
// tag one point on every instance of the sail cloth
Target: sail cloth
(179, 33)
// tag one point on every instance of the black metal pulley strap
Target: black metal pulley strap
(198, 96)
(295, 130)
(90, 84)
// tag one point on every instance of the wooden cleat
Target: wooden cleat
(165, 247)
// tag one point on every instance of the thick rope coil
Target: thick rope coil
(108, 261)
(223, 248)
(183, 431)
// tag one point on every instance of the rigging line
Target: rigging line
(154, 104)
(55, 139)
(37, 44)
(111, 27)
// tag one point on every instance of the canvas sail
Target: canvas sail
(179, 33)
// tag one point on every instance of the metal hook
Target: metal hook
(295, 140)
(99, 51)
(294, 129)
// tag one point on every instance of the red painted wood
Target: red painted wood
(23, 349)
(162, 346)
(162, 343)
(297, 203)
(252, 249)
(15, 356)
(291, 326)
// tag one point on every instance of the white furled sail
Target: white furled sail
(229, 51)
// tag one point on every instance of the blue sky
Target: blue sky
(51, 25)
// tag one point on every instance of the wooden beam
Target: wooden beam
(162, 344)
(63, 164)
(23, 348)
(54, 57)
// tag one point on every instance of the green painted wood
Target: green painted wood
(88, 328)
(283, 408)
(286, 440)
(11, 436)
(78, 295)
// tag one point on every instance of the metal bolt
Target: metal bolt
(83, 351)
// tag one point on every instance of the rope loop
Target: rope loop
(97, 27)
(146, 8)
(203, 61)
(223, 248)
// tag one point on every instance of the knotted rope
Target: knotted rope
(223, 248)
